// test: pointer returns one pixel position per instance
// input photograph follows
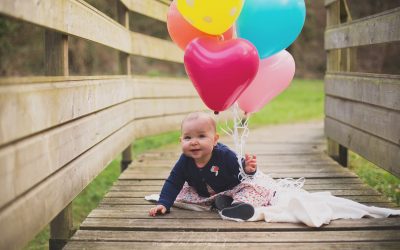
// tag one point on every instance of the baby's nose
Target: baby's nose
(194, 141)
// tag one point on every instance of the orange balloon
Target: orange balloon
(182, 32)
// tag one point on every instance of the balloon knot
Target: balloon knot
(216, 112)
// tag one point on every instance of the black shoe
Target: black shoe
(241, 211)
(222, 201)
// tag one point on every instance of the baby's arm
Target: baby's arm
(250, 164)
(171, 188)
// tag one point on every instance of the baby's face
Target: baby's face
(198, 139)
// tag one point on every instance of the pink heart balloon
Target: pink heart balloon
(220, 70)
(274, 75)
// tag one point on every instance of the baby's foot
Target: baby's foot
(242, 211)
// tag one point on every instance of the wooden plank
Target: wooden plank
(143, 45)
(267, 237)
(383, 153)
(142, 201)
(141, 214)
(32, 108)
(176, 237)
(60, 188)
(73, 17)
(27, 162)
(78, 18)
(105, 245)
(330, 181)
(379, 90)
(379, 28)
(309, 187)
(140, 194)
(368, 118)
(162, 173)
(136, 176)
(152, 9)
(210, 221)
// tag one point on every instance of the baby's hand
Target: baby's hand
(250, 164)
(159, 209)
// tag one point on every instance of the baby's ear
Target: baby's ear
(216, 138)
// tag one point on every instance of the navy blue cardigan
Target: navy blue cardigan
(186, 170)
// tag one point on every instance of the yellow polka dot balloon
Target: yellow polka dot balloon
(210, 16)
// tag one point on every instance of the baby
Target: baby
(209, 168)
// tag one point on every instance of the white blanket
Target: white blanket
(316, 209)
(312, 209)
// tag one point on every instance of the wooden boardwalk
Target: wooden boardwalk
(121, 221)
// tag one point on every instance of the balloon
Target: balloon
(182, 32)
(271, 25)
(220, 70)
(210, 16)
(274, 75)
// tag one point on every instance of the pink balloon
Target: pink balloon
(182, 32)
(220, 70)
(274, 75)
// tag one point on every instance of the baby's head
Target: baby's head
(199, 117)
(198, 136)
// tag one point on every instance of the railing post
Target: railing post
(56, 64)
(61, 229)
(124, 69)
(338, 60)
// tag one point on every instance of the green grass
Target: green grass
(379, 179)
(302, 101)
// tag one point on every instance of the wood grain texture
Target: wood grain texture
(379, 28)
(78, 18)
(381, 122)
(34, 107)
(379, 90)
(152, 9)
(381, 152)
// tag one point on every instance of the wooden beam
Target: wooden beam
(379, 28)
(47, 102)
(78, 18)
(152, 9)
(380, 152)
(143, 45)
(74, 17)
(376, 89)
(369, 118)
(30, 161)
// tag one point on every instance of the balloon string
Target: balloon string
(239, 134)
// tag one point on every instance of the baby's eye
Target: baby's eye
(202, 136)
(186, 138)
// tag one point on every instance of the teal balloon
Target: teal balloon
(271, 25)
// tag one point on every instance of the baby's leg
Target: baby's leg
(255, 195)
(189, 195)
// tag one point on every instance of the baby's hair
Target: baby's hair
(196, 115)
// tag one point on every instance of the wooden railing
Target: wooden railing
(362, 110)
(58, 132)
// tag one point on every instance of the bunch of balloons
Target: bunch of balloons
(235, 49)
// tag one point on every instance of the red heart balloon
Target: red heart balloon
(220, 70)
